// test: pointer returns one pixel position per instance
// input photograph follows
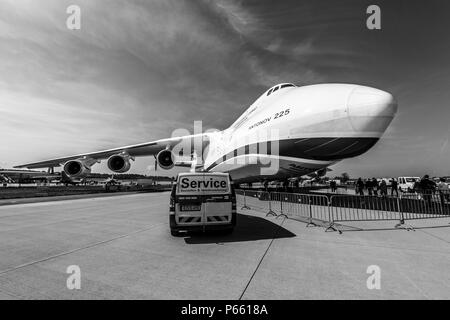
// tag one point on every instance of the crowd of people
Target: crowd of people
(374, 187)
(425, 186)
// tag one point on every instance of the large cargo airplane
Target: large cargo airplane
(288, 131)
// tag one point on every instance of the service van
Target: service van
(202, 201)
(406, 184)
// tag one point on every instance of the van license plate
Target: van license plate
(191, 207)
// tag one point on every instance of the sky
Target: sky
(139, 69)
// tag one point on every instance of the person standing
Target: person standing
(383, 188)
(360, 187)
(375, 186)
(333, 186)
(369, 186)
(394, 187)
(443, 189)
(427, 187)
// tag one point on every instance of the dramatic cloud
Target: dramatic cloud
(137, 70)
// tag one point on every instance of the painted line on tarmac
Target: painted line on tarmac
(433, 235)
(3, 272)
(262, 258)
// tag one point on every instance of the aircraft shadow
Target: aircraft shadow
(248, 228)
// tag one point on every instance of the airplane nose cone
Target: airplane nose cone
(370, 109)
(371, 102)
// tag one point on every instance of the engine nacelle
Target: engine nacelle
(76, 168)
(165, 159)
(321, 172)
(119, 163)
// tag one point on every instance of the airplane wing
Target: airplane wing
(137, 150)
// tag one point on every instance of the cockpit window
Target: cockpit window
(279, 87)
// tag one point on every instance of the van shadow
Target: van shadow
(248, 228)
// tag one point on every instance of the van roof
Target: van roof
(183, 174)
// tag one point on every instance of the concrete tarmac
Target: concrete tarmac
(124, 249)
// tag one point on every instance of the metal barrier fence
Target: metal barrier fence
(425, 206)
(363, 208)
(329, 209)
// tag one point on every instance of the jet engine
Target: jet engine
(77, 168)
(319, 173)
(322, 172)
(165, 159)
(119, 163)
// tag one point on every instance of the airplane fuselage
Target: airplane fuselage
(288, 131)
(293, 131)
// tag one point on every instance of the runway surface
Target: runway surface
(124, 250)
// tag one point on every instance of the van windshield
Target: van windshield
(411, 179)
(207, 184)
